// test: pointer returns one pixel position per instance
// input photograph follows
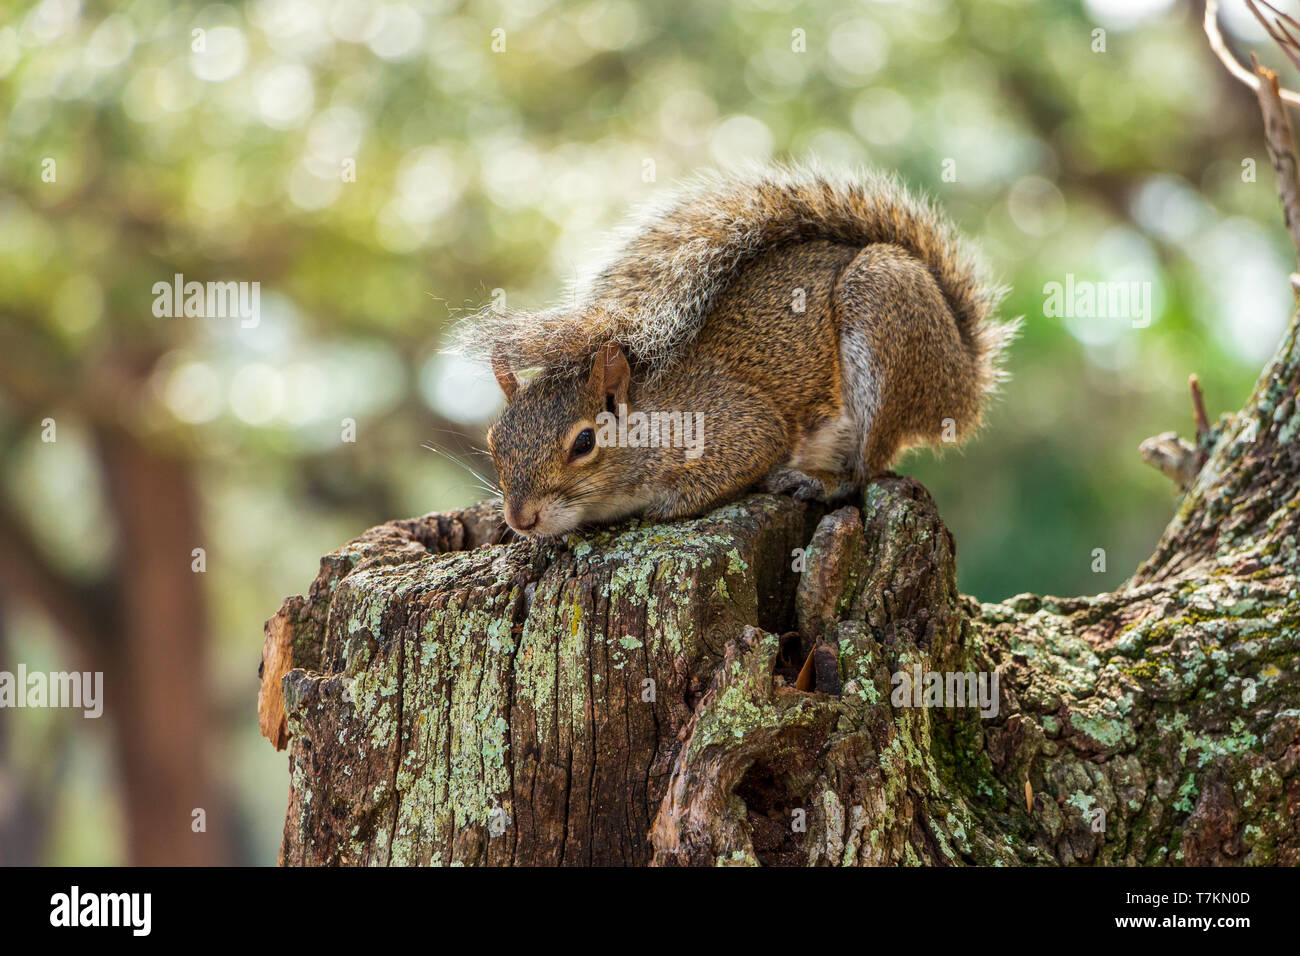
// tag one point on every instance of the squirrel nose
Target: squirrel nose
(516, 519)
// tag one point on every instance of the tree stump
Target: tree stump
(730, 690)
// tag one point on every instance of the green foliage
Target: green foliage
(478, 170)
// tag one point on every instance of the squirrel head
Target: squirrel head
(553, 472)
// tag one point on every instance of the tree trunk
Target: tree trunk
(706, 692)
(159, 630)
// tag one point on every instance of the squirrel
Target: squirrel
(812, 325)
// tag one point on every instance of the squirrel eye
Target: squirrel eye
(584, 443)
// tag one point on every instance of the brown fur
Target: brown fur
(893, 340)
(925, 373)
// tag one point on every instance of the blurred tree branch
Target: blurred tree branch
(77, 608)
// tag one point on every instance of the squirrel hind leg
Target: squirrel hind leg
(908, 377)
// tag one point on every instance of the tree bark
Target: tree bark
(634, 696)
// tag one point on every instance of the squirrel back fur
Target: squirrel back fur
(673, 260)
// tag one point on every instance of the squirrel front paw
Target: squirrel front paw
(801, 486)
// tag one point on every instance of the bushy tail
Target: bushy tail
(675, 257)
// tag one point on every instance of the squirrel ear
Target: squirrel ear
(614, 372)
(506, 376)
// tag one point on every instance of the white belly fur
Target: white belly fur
(830, 448)
(840, 445)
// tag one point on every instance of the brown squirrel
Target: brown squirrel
(809, 325)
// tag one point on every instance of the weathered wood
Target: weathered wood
(628, 696)
(1281, 147)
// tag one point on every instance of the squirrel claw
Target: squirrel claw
(804, 487)
(801, 487)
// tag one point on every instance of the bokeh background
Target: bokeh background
(217, 140)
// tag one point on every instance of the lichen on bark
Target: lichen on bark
(631, 695)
